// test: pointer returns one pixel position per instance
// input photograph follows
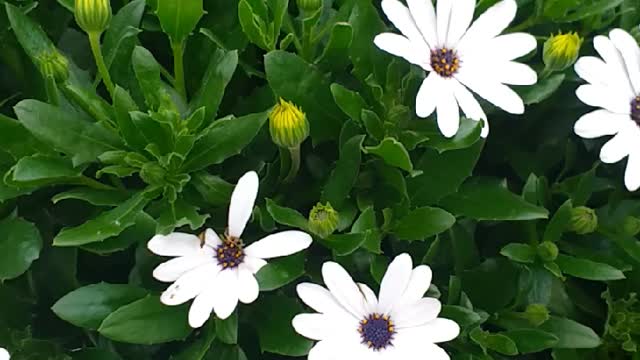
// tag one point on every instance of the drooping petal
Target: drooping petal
(424, 16)
(254, 264)
(469, 105)
(394, 283)
(488, 25)
(447, 111)
(599, 123)
(628, 48)
(514, 73)
(225, 302)
(202, 306)
(511, 46)
(211, 238)
(313, 326)
(400, 46)
(283, 243)
(344, 289)
(190, 284)
(604, 97)
(498, 94)
(461, 17)
(170, 271)
(416, 314)
(428, 95)
(242, 201)
(617, 148)
(436, 331)
(174, 244)
(615, 64)
(248, 288)
(418, 284)
(632, 172)
(371, 301)
(443, 20)
(401, 18)
(320, 299)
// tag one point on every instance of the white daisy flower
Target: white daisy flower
(219, 273)
(614, 87)
(351, 323)
(460, 55)
(4, 354)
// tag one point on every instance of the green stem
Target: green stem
(295, 164)
(288, 23)
(94, 41)
(178, 68)
(545, 73)
(52, 90)
(93, 183)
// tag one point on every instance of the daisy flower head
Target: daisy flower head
(352, 323)
(613, 87)
(4, 354)
(460, 56)
(217, 273)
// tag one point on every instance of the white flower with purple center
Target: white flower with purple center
(614, 87)
(460, 55)
(217, 273)
(352, 323)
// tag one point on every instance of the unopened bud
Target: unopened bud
(536, 314)
(561, 51)
(93, 16)
(631, 226)
(288, 125)
(323, 220)
(583, 220)
(547, 251)
(309, 6)
(53, 64)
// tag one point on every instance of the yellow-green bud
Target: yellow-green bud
(288, 125)
(52, 63)
(583, 220)
(631, 226)
(536, 314)
(561, 51)
(309, 6)
(323, 220)
(93, 16)
(547, 251)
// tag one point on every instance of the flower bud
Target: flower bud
(536, 314)
(93, 16)
(288, 125)
(583, 220)
(547, 251)
(561, 51)
(309, 6)
(54, 64)
(323, 220)
(631, 226)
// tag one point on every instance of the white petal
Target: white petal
(424, 17)
(616, 148)
(394, 282)
(399, 45)
(344, 289)
(599, 123)
(320, 299)
(498, 94)
(416, 314)
(443, 20)
(202, 306)
(469, 105)
(604, 97)
(225, 302)
(447, 111)
(412, 347)
(401, 18)
(418, 284)
(4, 354)
(242, 201)
(461, 16)
(488, 25)
(428, 95)
(511, 46)
(174, 244)
(630, 52)
(313, 326)
(616, 68)
(371, 301)
(170, 271)
(594, 71)
(279, 244)
(248, 288)
(190, 284)
(436, 331)
(253, 263)
(324, 350)
(632, 172)
(514, 73)
(212, 239)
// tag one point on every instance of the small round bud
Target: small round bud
(547, 251)
(93, 16)
(583, 220)
(631, 226)
(52, 63)
(323, 220)
(536, 314)
(288, 125)
(309, 6)
(561, 51)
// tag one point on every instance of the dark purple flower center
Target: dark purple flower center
(445, 62)
(230, 253)
(377, 331)
(635, 110)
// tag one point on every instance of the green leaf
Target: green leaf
(335, 56)
(378, 267)
(198, 348)
(295, 80)
(179, 18)
(344, 175)
(491, 285)
(286, 216)
(88, 306)
(120, 36)
(558, 222)
(273, 317)
(570, 334)
(496, 342)
(227, 329)
(39, 170)
(542, 90)
(366, 23)
(83, 140)
(143, 229)
(467, 135)
(519, 252)
(225, 138)
(221, 67)
(153, 132)
(349, 101)
(20, 245)
(123, 105)
(254, 24)
(393, 153)
(373, 124)
(587, 269)
(109, 223)
(344, 244)
(461, 315)
(147, 72)
(423, 223)
(220, 351)
(532, 340)
(30, 35)
(146, 321)
(367, 223)
(17, 140)
(95, 354)
(280, 272)
(93, 196)
(215, 190)
(582, 11)
(486, 199)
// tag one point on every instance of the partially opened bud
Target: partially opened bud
(54, 64)
(561, 51)
(93, 16)
(323, 220)
(583, 220)
(288, 125)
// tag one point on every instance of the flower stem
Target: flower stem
(295, 164)
(53, 97)
(94, 41)
(178, 68)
